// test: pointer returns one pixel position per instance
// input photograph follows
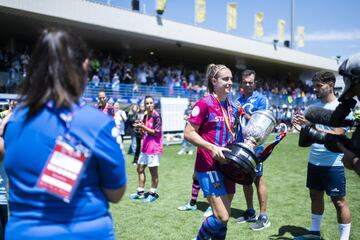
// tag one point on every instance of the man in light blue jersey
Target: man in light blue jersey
(325, 170)
(253, 101)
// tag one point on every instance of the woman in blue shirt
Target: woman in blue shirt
(50, 112)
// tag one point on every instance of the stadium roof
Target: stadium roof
(134, 33)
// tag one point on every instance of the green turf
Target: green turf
(288, 200)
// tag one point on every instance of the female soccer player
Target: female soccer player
(211, 128)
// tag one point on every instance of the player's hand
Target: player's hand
(298, 120)
(138, 124)
(218, 154)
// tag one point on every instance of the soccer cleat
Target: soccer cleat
(249, 216)
(181, 152)
(136, 196)
(187, 207)
(260, 224)
(208, 212)
(150, 198)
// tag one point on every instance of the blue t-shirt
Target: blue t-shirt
(255, 102)
(28, 145)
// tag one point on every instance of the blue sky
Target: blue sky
(332, 27)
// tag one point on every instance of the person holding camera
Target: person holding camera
(350, 70)
(325, 171)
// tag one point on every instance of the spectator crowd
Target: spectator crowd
(112, 73)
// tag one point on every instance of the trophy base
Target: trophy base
(242, 163)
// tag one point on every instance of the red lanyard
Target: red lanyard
(227, 117)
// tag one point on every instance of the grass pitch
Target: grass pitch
(288, 200)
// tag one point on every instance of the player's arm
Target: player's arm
(191, 134)
(151, 131)
(114, 196)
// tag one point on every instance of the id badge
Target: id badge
(62, 172)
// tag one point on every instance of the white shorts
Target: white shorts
(151, 160)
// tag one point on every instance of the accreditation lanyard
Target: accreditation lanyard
(63, 170)
(226, 115)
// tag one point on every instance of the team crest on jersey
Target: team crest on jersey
(217, 185)
(195, 111)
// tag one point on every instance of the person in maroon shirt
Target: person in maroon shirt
(104, 106)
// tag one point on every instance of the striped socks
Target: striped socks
(194, 192)
(212, 228)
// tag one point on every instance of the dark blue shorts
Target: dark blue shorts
(259, 169)
(326, 178)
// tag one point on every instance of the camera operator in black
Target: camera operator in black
(350, 70)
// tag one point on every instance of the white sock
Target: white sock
(344, 231)
(315, 222)
(153, 190)
(140, 189)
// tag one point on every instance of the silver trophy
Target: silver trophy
(242, 158)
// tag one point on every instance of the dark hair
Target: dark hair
(55, 71)
(247, 72)
(211, 72)
(324, 76)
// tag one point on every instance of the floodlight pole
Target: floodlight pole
(292, 45)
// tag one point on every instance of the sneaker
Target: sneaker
(181, 152)
(191, 152)
(260, 224)
(208, 212)
(187, 207)
(308, 236)
(150, 198)
(137, 196)
(249, 216)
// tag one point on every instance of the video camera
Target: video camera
(309, 135)
(350, 70)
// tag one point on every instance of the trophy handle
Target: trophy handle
(282, 128)
(251, 106)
